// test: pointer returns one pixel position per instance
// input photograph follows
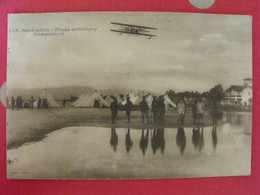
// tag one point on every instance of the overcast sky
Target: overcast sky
(190, 52)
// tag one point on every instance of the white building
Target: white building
(239, 95)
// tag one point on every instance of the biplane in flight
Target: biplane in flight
(134, 30)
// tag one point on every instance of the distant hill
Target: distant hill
(57, 93)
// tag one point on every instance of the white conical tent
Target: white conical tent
(89, 101)
(119, 99)
(51, 102)
(124, 101)
(109, 99)
(82, 98)
(168, 102)
(149, 100)
(137, 100)
(132, 97)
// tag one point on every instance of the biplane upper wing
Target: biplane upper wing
(119, 31)
(121, 24)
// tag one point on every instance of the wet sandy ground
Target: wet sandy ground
(33, 125)
(103, 153)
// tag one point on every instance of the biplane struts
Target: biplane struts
(133, 30)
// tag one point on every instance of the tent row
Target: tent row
(96, 100)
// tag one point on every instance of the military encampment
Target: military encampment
(132, 95)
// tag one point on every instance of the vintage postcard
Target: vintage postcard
(104, 95)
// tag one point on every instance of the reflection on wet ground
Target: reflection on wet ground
(158, 140)
(95, 152)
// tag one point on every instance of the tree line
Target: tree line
(214, 94)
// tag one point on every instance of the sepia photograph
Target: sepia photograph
(128, 95)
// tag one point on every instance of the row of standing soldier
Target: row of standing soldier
(158, 110)
(18, 103)
(197, 111)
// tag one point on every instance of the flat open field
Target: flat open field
(32, 124)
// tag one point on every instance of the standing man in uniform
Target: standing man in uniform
(181, 108)
(13, 103)
(114, 110)
(161, 109)
(144, 110)
(17, 102)
(39, 103)
(21, 103)
(200, 111)
(128, 108)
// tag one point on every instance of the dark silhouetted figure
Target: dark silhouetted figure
(154, 141)
(155, 110)
(128, 108)
(64, 103)
(161, 110)
(198, 138)
(194, 112)
(128, 141)
(161, 140)
(144, 141)
(181, 139)
(13, 103)
(201, 140)
(195, 137)
(144, 108)
(215, 112)
(214, 136)
(17, 102)
(113, 139)
(96, 104)
(21, 103)
(44, 103)
(114, 110)
(39, 103)
(31, 102)
(158, 140)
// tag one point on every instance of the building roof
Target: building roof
(247, 79)
(235, 88)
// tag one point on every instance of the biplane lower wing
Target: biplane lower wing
(130, 25)
(119, 31)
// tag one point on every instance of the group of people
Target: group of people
(19, 104)
(197, 110)
(41, 103)
(15, 103)
(158, 110)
